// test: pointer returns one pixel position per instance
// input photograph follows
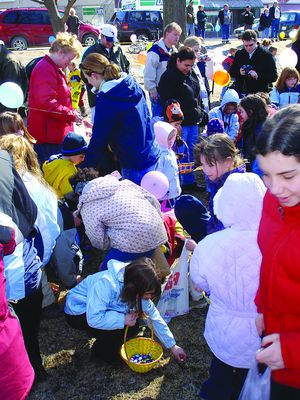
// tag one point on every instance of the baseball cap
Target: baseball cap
(110, 32)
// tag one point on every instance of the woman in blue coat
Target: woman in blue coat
(122, 121)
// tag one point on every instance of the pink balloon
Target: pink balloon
(156, 183)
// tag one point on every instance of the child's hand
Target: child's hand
(190, 245)
(130, 318)
(178, 353)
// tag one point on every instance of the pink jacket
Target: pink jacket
(51, 114)
(16, 372)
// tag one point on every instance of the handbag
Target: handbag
(257, 385)
(174, 299)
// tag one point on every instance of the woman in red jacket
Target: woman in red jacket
(51, 115)
(278, 296)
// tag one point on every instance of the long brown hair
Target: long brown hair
(140, 277)
(12, 122)
(217, 148)
(287, 72)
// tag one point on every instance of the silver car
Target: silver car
(239, 31)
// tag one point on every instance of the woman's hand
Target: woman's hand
(130, 318)
(260, 325)
(78, 118)
(271, 355)
(178, 353)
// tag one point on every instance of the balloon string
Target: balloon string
(49, 111)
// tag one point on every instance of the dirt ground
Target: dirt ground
(71, 372)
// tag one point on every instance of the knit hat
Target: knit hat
(73, 144)
(173, 111)
(215, 125)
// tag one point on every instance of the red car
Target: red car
(24, 27)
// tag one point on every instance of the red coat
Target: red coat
(278, 296)
(16, 372)
(51, 115)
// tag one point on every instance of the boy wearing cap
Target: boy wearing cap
(60, 167)
(108, 48)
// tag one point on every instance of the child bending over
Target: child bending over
(104, 303)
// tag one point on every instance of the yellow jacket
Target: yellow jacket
(57, 174)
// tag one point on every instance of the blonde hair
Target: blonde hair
(287, 72)
(66, 43)
(24, 157)
(192, 41)
(266, 42)
(12, 122)
(72, 11)
(99, 64)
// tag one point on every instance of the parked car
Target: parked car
(289, 20)
(24, 27)
(239, 31)
(146, 23)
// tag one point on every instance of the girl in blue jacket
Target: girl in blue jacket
(287, 89)
(104, 303)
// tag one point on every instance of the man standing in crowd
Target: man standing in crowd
(190, 19)
(224, 17)
(108, 48)
(11, 70)
(156, 63)
(201, 21)
(275, 14)
(253, 68)
(248, 18)
(73, 22)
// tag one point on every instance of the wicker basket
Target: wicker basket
(141, 345)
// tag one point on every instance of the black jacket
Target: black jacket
(262, 62)
(272, 12)
(201, 18)
(114, 55)
(73, 24)
(265, 21)
(248, 17)
(186, 90)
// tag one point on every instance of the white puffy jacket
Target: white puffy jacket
(227, 263)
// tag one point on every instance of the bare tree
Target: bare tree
(174, 11)
(58, 22)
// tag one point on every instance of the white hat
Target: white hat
(110, 32)
(1, 43)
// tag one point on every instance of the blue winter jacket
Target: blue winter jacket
(98, 296)
(122, 121)
(286, 97)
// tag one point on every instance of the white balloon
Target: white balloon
(288, 58)
(11, 95)
(293, 34)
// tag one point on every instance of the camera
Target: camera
(247, 68)
(202, 57)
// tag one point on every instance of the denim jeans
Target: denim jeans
(115, 254)
(190, 136)
(136, 175)
(265, 33)
(201, 32)
(156, 107)
(275, 28)
(225, 31)
(190, 29)
(45, 150)
(225, 382)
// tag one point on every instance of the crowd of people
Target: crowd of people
(64, 192)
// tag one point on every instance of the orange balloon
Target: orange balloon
(142, 58)
(221, 77)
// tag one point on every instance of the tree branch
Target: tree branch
(67, 10)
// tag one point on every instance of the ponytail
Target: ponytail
(111, 71)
